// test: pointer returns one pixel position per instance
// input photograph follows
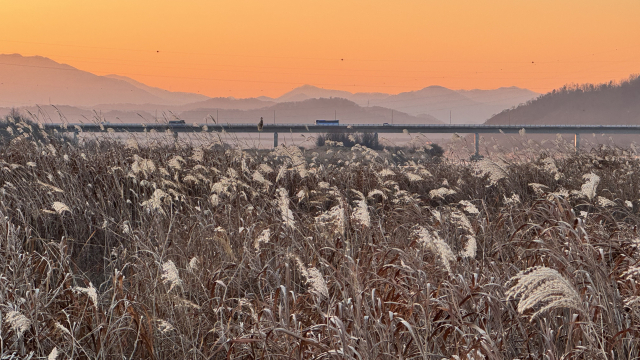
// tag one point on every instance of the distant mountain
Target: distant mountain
(436, 101)
(504, 96)
(227, 104)
(168, 97)
(34, 80)
(461, 106)
(606, 104)
(308, 111)
(366, 99)
(299, 112)
(72, 114)
(30, 80)
(265, 98)
(38, 80)
(305, 92)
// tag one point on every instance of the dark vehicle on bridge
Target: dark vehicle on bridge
(328, 122)
(177, 122)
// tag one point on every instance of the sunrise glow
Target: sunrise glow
(251, 48)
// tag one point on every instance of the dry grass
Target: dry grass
(169, 252)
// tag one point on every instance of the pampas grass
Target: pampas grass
(544, 288)
(430, 240)
(167, 250)
(18, 322)
(283, 205)
(170, 275)
(60, 207)
(588, 189)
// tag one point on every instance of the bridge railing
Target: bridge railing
(475, 129)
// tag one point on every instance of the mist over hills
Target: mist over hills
(307, 111)
(462, 106)
(227, 104)
(27, 81)
(604, 104)
(34, 80)
(168, 97)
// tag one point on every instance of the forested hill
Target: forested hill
(613, 103)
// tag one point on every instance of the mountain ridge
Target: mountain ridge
(465, 106)
(45, 81)
(588, 104)
(173, 97)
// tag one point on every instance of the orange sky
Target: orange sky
(247, 48)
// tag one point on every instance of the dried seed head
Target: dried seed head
(332, 222)
(433, 242)
(164, 326)
(441, 193)
(315, 280)
(496, 170)
(132, 144)
(60, 207)
(603, 201)
(460, 219)
(386, 172)
(589, 187)
(283, 205)
(361, 214)
(154, 204)
(545, 287)
(413, 177)
(470, 247)
(262, 239)
(90, 292)
(193, 264)
(170, 275)
(514, 199)
(18, 322)
(175, 162)
(53, 355)
(469, 207)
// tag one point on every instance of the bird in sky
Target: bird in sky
(260, 124)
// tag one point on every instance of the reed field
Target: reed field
(165, 250)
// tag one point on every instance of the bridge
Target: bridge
(175, 129)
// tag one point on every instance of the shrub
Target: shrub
(369, 140)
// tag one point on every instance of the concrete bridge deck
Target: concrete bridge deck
(475, 129)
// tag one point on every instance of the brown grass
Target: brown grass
(179, 273)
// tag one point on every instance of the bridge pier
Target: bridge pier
(275, 139)
(576, 141)
(476, 141)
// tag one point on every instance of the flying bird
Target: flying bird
(260, 124)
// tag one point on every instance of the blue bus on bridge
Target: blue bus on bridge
(328, 122)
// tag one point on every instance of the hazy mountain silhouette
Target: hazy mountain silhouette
(504, 96)
(211, 104)
(610, 103)
(464, 106)
(299, 112)
(305, 92)
(436, 101)
(38, 80)
(27, 81)
(168, 97)
(228, 103)
(74, 115)
(308, 111)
